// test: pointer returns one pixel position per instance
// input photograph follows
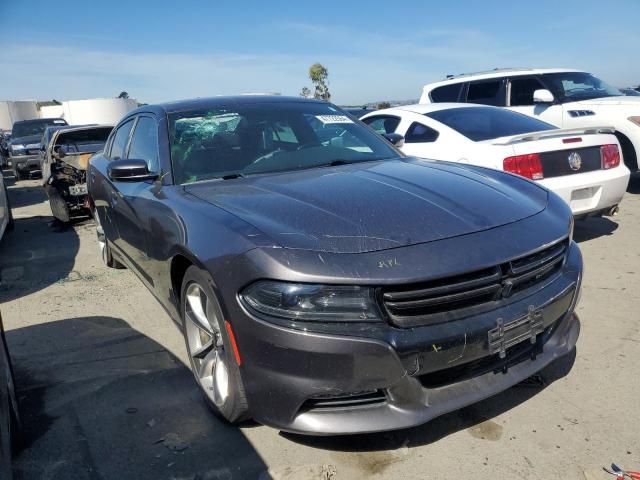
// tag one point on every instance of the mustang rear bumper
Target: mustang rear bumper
(591, 191)
(382, 378)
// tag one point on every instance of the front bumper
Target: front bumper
(591, 191)
(26, 163)
(297, 380)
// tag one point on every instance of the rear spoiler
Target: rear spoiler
(560, 132)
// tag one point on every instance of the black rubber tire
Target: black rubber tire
(235, 409)
(59, 207)
(108, 258)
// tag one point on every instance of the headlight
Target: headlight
(34, 146)
(635, 120)
(16, 148)
(316, 303)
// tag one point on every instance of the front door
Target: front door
(520, 99)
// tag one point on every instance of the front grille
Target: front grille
(454, 297)
(348, 401)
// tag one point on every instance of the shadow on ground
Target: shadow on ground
(634, 184)
(38, 252)
(593, 227)
(476, 418)
(100, 400)
(24, 193)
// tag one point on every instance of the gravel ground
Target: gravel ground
(105, 392)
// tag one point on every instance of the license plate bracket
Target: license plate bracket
(506, 335)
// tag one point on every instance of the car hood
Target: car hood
(26, 140)
(621, 100)
(374, 205)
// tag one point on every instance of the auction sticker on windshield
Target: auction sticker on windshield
(326, 119)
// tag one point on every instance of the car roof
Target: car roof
(213, 102)
(496, 73)
(39, 120)
(423, 108)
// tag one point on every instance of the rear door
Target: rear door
(487, 92)
(135, 199)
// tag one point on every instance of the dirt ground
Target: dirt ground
(105, 392)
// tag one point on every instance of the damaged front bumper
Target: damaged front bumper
(384, 378)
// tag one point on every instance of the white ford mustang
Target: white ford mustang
(581, 165)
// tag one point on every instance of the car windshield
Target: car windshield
(34, 127)
(574, 86)
(486, 123)
(243, 139)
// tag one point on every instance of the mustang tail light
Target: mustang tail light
(610, 156)
(528, 166)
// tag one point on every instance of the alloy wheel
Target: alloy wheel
(206, 345)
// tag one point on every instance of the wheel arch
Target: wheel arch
(181, 260)
(629, 153)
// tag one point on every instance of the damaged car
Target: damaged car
(64, 167)
(324, 282)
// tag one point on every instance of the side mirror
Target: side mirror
(395, 138)
(130, 170)
(543, 96)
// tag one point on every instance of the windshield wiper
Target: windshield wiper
(335, 163)
(231, 176)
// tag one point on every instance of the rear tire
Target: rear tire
(209, 347)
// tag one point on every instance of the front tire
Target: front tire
(209, 347)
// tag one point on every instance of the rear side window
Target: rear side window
(522, 91)
(120, 140)
(144, 143)
(383, 123)
(486, 93)
(447, 93)
(486, 123)
(419, 133)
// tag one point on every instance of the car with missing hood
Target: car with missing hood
(324, 282)
(24, 148)
(65, 157)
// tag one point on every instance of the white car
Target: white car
(563, 97)
(583, 166)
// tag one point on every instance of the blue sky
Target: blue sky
(164, 50)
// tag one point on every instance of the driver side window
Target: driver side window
(120, 140)
(144, 143)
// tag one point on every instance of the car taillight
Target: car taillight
(528, 166)
(610, 156)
